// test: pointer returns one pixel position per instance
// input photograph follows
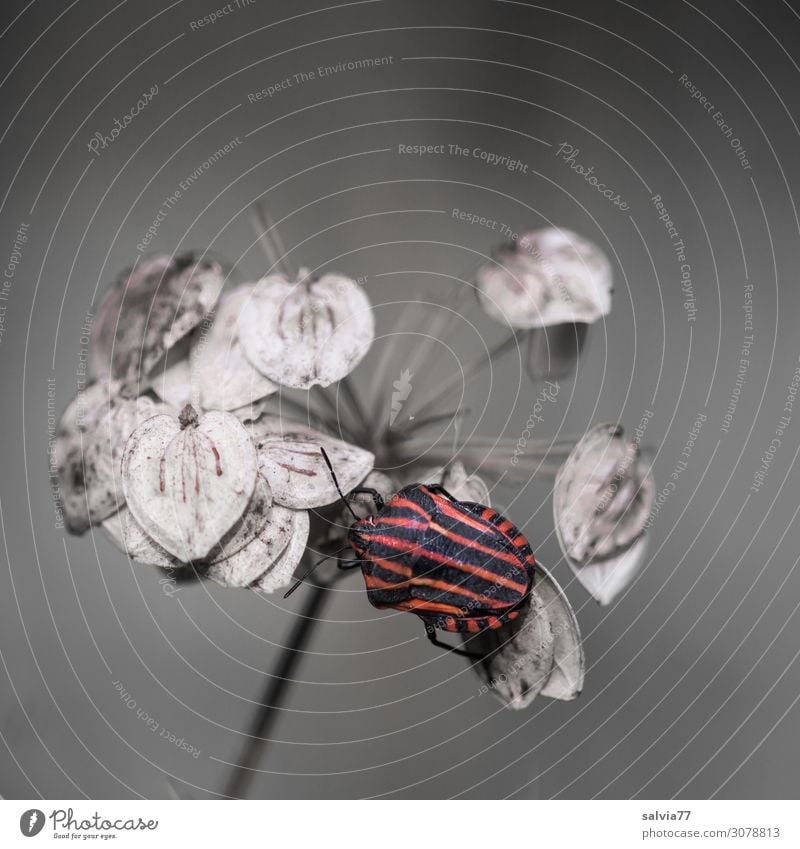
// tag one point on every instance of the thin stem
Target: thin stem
(483, 462)
(329, 402)
(500, 444)
(275, 693)
(355, 405)
(468, 372)
(278, 242)
(443, 318)
(441, 321)
(283, 400)
(380, 373)
(485, 447)
(338, 422)
(270, 241)
(263, 240)
(435, 419)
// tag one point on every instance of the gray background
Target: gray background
(692, 683)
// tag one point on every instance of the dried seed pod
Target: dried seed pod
(604, 580)
(103, 453)
(87, 407)
(171, 379)
(254, 518)
(461, 485)
(289, 457)
(546, 277)
(280, 573)
(602, 497)
(188, 481)
(517, 659)
(148, 310)
(73, 436)
(565, 681)
(309, 332)
(255, 558)
(225, 377)
(129, 536)
(251, 412)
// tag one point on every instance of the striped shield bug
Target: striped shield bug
(460, 566)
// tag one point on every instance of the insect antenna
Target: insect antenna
(311, 568)
(336, 484)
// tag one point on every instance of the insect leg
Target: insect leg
(376, 496)
(430, 632)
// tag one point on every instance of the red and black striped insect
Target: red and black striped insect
(460, 566)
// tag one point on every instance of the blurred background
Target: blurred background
(692, 681)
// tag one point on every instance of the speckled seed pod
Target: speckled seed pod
(279, 574)
(518, 658)
(289, 457)
(103, 453)
(547, 277)
(256, 516)
(217, 364)
(312, 332)
(130, 537)
(271, 557)
(148, 310)
(171, 378)
(188, 481)
(602, 497)
(565, 681)
(539, 653)
(262, 549)
(73, 436)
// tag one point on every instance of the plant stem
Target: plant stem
(468, 372)
(275, 693)
(338, 422)
(356, 409)
(271, 242)
(304, 410)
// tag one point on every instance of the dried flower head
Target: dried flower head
(231, 490)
